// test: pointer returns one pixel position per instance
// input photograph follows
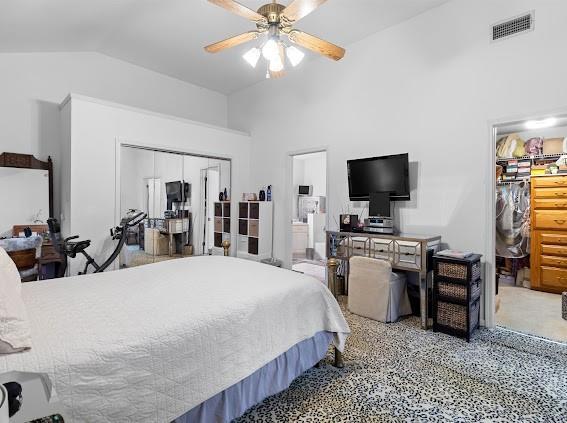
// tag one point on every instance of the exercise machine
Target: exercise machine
(68, 248)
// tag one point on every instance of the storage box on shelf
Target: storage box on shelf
(222, 225)
(254, 230)
(456, 295)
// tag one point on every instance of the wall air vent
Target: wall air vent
(515, 26)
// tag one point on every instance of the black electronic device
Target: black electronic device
(177, 192)
(379, 204)
(379, 174)
(305, 190)
(348, 222)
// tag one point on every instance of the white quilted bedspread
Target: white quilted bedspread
(147, 344)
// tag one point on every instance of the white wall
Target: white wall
(33, 84)
(314, 173)
(429, 87)
(96, 127)
(309, 169)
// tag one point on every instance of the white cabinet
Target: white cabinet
(300, 237)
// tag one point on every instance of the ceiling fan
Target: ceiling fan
(274, 22)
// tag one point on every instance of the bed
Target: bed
(177, 339)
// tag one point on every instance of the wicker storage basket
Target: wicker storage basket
(456, 291)
(454, 316)
(458, 270)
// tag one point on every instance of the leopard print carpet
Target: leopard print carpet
(399, 373)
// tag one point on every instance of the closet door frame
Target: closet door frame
(120, 142)
(488, 303)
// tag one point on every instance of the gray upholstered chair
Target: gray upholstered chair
(375, 291)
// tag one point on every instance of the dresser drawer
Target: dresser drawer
(554, 261)
(560, 193)
(549, 203)
(554, 250)
(553, 279)
(553, 239)
(550, 219)
(550, 181)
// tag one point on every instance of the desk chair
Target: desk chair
(375, 291)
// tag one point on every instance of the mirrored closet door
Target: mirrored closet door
(179, 194)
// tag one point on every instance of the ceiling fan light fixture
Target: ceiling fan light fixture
(294, 55)
(276, 64)
(270, 49)
(252, 56)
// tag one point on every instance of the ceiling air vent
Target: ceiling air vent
(515, 26)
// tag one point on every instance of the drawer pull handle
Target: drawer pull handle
(561, 278)
(559, 204)
(559, 194)
(559, 183)
(559, 221)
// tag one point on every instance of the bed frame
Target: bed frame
(333, 285)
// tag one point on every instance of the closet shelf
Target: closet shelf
(533, 157)
(515, 181)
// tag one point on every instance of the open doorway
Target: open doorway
(530, 218)
(210, 183)
(309, 215)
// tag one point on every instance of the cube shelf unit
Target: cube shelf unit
(255, 230)
(457, 286)
(222, 225)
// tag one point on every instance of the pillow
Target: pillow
(14, 328)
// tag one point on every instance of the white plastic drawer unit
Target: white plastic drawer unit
(408, 254)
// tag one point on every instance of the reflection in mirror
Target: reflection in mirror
(179, 193)
(26, 198)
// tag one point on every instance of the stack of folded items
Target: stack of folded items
(511, 170)
(524, 168)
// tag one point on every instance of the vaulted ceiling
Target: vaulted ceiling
(168, 36)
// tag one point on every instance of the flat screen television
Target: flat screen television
(379, 174)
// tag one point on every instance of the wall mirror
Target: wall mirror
(26, 186)
(178, 192)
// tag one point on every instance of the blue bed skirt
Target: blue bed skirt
(274, 377)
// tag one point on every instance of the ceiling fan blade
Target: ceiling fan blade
(317, 45)
(232, 41)
(298, 9)
(238, 9)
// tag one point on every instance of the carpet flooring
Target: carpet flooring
(398, 372)
(532, 312)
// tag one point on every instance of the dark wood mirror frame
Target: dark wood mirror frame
(27, 161)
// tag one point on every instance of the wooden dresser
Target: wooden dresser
(549, 233)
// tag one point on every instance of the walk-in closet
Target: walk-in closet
(531, 226)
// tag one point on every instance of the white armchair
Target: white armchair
(375, 291)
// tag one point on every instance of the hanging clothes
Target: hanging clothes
(513, 220)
